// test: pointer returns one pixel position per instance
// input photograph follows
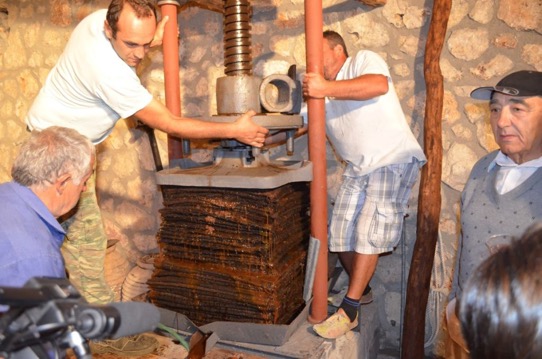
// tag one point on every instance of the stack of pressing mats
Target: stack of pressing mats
(232, 254)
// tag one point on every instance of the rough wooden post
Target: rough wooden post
(429, 201)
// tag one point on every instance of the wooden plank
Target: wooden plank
(429, 202)
(212, 5)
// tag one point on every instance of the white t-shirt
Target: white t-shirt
(374, 133)
(90, 88)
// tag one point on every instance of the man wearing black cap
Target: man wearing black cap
(502, 195)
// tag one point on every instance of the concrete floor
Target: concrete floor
(303, 344)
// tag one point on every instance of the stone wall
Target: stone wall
(485, 40)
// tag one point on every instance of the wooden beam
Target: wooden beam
(374, 2)
(212, 5)
(429, 201)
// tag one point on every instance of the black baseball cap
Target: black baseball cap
(521, 83)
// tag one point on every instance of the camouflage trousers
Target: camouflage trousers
(85, 247)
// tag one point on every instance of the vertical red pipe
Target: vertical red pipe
(170, 48)
(317, 155)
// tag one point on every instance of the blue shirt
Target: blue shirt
(30, 237)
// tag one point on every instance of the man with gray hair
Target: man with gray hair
(502, 195)
(49, 174)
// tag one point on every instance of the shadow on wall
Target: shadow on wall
(4, 28)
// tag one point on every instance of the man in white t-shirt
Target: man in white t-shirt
(92, 86)
(367, 128)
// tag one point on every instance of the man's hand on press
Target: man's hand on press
(248, 132)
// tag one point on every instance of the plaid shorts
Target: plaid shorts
(368, 214)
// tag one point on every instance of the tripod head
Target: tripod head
(41, 320)
(48, 316)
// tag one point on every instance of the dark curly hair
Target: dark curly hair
(501, 306)
(142, 8)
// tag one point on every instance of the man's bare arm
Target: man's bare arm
(243, 129)
(361, 88)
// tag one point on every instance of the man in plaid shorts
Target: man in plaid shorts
(368, 130)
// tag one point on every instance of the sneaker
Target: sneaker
(367, 296)
(335, 326)
(336, 299)
(135, 345)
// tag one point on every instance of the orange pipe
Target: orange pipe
(317, 155)
(170, 48)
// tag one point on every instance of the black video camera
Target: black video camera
(48, 316)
